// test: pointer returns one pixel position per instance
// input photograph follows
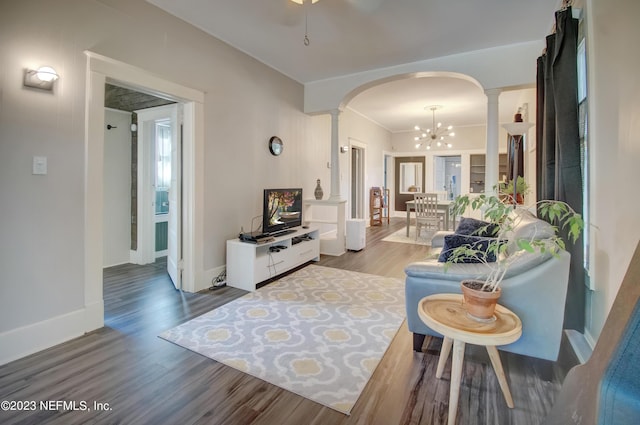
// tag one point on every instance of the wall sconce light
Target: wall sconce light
(42, 78)
(344, 149)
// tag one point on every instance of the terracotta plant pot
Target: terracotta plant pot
(479, 304)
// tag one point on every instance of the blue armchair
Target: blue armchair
(534, 288)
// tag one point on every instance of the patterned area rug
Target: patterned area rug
(401, 236)
(319, 332)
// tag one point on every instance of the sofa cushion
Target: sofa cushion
(526, 226)
(474, 227)
(481, 244)
(432, 269)
(521, 261)
(437, 241)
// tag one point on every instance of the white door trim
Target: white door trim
(99, 69)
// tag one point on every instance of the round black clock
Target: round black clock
(275, 145)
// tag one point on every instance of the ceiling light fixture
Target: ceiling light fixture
(306, 21)
(436, 133)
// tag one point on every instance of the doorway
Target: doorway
(409, 178)
(151, 137)
(101, 70)
(447, 172)
(158, 187)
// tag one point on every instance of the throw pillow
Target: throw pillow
(481, 244)
(471, 226)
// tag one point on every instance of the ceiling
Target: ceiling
(351, 36)
(125, 99)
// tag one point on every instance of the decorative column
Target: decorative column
(335, 157)
(492, 150)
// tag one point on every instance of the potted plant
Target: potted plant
(506, 190)
(490, 244)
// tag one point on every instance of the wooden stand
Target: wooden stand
(445, 314)
(378, 206)
(386, 199)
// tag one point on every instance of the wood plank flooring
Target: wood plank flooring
(146, 380)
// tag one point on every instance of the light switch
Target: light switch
(39, 165)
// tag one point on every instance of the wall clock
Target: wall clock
(275, 145)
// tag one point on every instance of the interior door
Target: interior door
(174, 234)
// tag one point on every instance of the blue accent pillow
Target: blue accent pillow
(454, 241)
(474, 227)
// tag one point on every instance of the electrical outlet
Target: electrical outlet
(39, 165)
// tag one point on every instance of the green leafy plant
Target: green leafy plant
(502, 224)
(522, 188)
(506, 190)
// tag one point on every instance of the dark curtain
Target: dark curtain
(559, 172)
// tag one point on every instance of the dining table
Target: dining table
(443, 205)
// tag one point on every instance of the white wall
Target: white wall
(43, 227)
(42, 259)
(356, 129)
(117, 188)
(614, 108)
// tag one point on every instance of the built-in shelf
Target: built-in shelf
(478, 168)
(378, 209)
(331, 216)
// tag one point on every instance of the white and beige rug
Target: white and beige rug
(401, 236)
(319, 332)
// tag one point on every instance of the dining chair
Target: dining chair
(426, 206)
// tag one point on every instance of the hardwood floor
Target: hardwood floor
(146, 380)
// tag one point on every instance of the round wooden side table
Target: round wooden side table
(445, 314)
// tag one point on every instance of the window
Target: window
(584, 133)
(163, 165)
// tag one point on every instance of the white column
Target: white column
(335, 157)
(493, 133)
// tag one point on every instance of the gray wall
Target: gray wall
(43, 232)
(117, 188)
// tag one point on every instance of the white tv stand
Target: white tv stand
(248, 264)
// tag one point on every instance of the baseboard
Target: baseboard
(21, 342)
(133, 257)
(104, 266)
(580, 344)
(208, 277)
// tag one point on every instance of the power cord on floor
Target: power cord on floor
(219, 281)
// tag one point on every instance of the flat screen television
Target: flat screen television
(282, 209)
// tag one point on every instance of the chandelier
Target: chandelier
(436, 133)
